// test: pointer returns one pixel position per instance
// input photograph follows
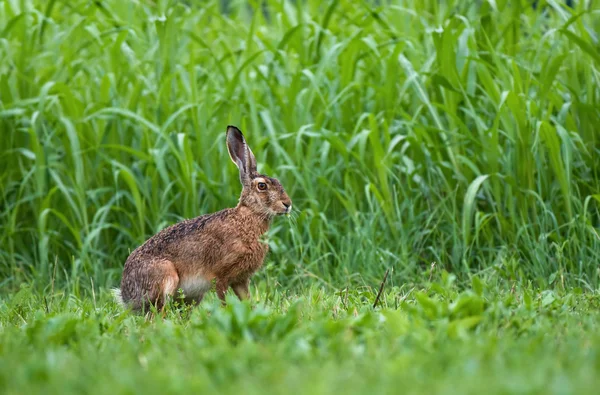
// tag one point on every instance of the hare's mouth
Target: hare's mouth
(286, 211)
(283, 209)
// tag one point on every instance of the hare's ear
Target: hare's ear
(240, 153)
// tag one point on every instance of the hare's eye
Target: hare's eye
(262, 186)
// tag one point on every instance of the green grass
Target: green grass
(439, 340)
(423, 137)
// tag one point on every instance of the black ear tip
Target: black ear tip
(231, 128)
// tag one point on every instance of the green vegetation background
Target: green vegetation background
(455, 143)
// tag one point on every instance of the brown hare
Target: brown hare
(223, 246)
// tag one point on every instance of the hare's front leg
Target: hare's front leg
(221, 286)
(241, 288)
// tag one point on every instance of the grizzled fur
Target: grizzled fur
(223, 246)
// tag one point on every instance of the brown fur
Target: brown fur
(223, 246)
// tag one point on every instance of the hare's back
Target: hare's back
(167, 242)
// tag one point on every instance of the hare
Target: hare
(223, 246)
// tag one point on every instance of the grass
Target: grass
(439, 140)
(439, 340)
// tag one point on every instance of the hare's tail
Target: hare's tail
(116, 292)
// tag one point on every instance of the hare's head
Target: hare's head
(262, 194)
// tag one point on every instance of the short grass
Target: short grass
(453, 143)
(435, 339)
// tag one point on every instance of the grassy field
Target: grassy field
(436, 340)
(452, 143)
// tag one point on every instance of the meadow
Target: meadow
(451, 144)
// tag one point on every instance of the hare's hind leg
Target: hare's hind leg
(150, 283)
(169, 286)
